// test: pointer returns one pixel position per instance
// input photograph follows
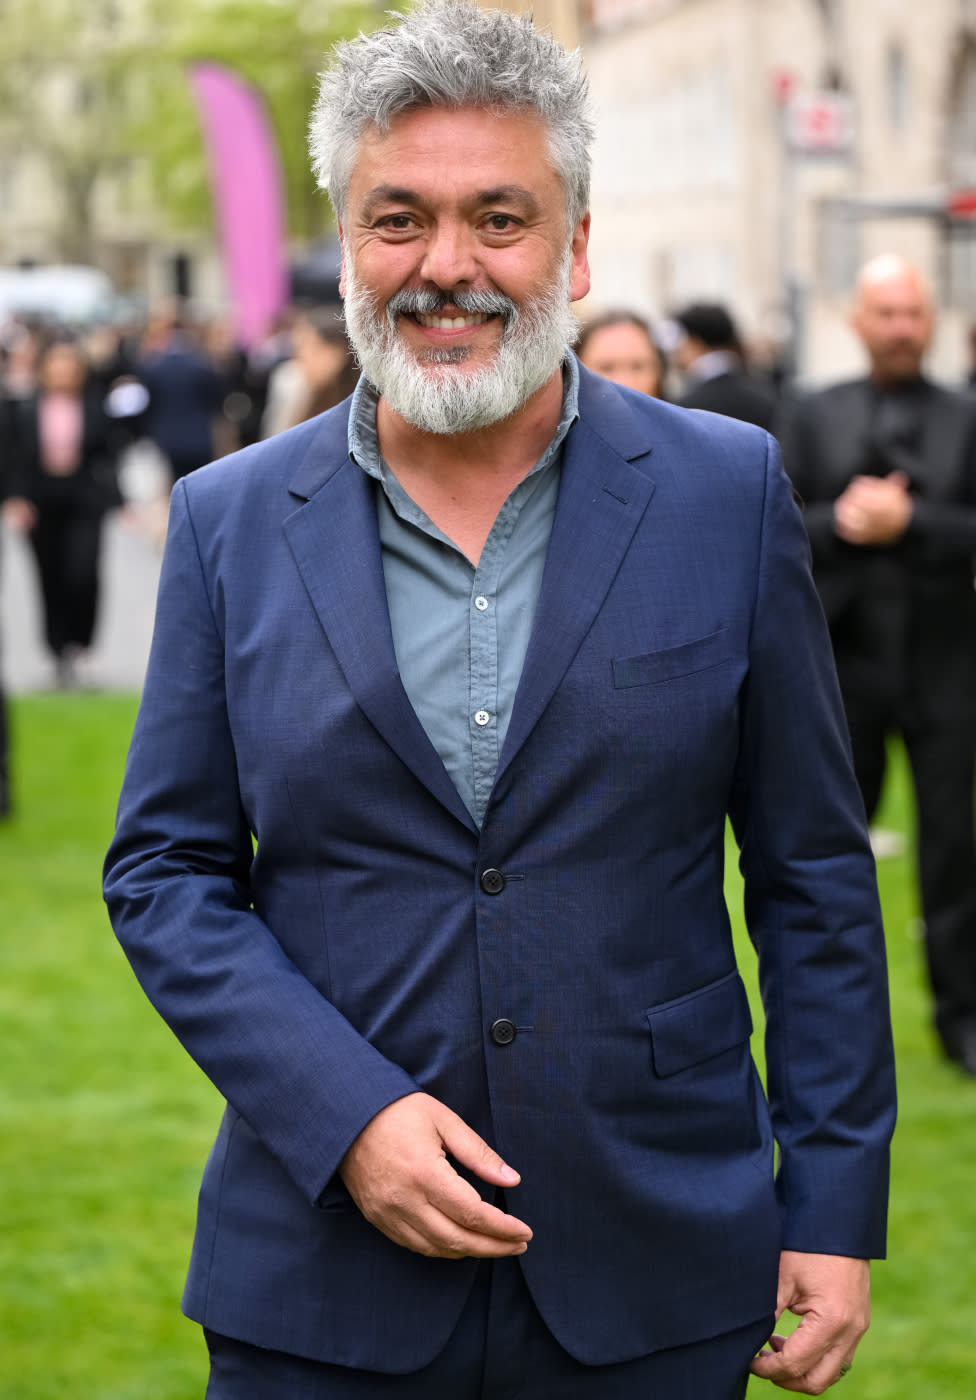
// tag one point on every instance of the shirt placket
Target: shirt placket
(483, 650)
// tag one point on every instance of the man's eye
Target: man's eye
(397, 222)
(500, 223)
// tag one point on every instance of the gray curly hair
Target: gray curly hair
(450, 53)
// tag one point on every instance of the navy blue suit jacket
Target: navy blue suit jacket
(296, 883)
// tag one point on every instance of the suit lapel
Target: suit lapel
(602, 499)
(334, 540)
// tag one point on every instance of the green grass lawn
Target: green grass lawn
(105, 1124)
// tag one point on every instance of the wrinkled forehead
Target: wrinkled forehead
(458, 143)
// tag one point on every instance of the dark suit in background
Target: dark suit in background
(902, 619)
(735, 393)
(710, 353)
(185, 397)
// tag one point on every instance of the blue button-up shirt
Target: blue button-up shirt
(461, 632)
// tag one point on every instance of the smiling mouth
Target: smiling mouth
(451, 323)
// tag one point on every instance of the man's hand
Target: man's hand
(873, 509)
(19, 514)
(831, 1295)
(398, 1174)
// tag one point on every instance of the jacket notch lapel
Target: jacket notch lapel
(602, 500)
(334, 541)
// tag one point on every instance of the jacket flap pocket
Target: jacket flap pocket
(698, 1026)
(672, 662)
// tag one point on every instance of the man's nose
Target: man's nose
(450, 256)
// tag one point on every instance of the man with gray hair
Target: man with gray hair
(420, 849)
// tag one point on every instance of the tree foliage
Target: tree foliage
(62, 86)
(92, 87)
(278, 46)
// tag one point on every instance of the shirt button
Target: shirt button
(481, 604)
(492, 881)
(503, 1031)
(482, 718)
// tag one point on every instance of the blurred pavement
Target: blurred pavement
(130, 574)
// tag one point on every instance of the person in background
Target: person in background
(971, 358)
(320, 372)
(62, 483)
(483, 658)
(186, 393)
(619, 345)
(328, 369)
(23, 343)
(709, 352)
(886, 468)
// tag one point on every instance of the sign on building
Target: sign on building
(820, 123)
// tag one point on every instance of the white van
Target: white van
(72, 294)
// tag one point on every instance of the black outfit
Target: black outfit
(186, 396)
(903, 623)
(736, 394)
(70, 509)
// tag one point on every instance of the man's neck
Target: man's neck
(463, 480)
(509, 447)
(892, 384)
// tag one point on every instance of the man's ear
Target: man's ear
(342, 270)
(579, 274)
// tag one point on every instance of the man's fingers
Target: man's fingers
(465, 1145)
(398, 1173)
(831, 1295)
(804, 1362)
(451, 1221)
(437, 1237)
(459, 1202)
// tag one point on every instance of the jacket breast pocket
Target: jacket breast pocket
(696, 1027)
(673, 662)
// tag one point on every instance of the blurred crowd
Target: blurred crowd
(111, 416)
(108, 416)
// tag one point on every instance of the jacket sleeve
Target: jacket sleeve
(177, 888)
(812, 910)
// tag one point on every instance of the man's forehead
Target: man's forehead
(899, 295)
(507, 196)
(460, 136)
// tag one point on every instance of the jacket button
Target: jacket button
(503, 1031)
(493, 882)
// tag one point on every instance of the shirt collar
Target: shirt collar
(364, 444)
(712, 364)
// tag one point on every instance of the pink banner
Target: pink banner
(246, 183)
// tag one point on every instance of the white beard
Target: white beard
(434, 390)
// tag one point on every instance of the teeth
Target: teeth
(451, 323)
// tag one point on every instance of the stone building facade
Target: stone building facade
(697, 191)
(706, 186)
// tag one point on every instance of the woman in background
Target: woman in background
(320, 373)
(62, 470)
(619, 345)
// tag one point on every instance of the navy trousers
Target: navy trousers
(500, 1350)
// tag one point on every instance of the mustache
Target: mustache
(429, 300)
